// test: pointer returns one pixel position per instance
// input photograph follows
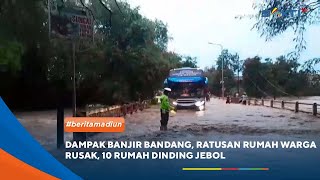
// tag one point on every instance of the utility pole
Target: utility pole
(222, 77)
(74, 99)
(49, 18)
(222, 69)
(238, 76)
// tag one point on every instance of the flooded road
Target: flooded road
(42, 125)
(217, 118)
(305, 103)
(220, 121)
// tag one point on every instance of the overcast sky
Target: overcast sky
(194, 23)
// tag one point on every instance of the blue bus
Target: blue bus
(188, 88)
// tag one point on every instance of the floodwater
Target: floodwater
(220, 118)
(307, 105)
(217, 118)
(42, 125)
(309, 99)
(220, 121)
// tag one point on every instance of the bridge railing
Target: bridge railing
(116, 110)
(296, 106)
(100, 111)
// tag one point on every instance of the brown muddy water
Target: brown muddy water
(218, 118)
(304, 107)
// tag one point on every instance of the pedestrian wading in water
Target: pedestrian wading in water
(243, 99)
(228, 100)
(165, 109)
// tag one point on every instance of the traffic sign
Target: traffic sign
(71, 23)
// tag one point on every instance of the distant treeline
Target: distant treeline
(263, 78)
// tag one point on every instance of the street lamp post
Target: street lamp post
(222, 78)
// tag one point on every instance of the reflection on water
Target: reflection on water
(309, 99)
(200, 113)
(218, 117)
(305, 107)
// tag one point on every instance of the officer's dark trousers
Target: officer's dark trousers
(164, 118)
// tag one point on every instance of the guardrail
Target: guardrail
(111, 111)
(115, 111)
(296, 106)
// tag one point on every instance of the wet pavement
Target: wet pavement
(42, 125)
(218, 117)
(220, 121)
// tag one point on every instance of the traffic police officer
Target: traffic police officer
(164, 109)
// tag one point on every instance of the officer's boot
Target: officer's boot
(161, 128)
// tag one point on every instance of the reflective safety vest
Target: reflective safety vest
(165, 105)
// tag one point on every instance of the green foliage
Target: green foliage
(283, 74)
(231, 65)
(279, 78)
(189, 62)
(128, 59)
(10, 55)
(214, 79)
(270, 27)
(263, 78)
(252, 81)
(230, 61)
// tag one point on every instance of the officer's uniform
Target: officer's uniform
(164, 111)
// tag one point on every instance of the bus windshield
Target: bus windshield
(186, 90)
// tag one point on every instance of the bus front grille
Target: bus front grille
(186, 101)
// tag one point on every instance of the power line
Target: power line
(266, 94)
(277, 88)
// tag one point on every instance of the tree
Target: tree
(127, 61)
(287, 80)
(278, 78)
(306, 14)
(213, 80)
(237, 65)
(10, 55)
(229, 60)
(251, 78)
(231, 64)
(189, 62)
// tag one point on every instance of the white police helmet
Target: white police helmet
(167, 89)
